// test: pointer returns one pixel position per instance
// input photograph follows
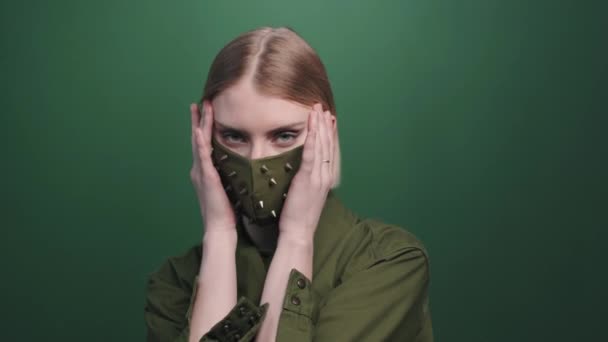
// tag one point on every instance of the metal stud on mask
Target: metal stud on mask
(256, 188)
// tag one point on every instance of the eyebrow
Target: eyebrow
(293, 126)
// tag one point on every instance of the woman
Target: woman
(281, 258)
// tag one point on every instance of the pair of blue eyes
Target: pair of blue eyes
(281, 137)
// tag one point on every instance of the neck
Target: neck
(264, 235)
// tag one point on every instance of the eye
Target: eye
(232, 137)
(286, 136)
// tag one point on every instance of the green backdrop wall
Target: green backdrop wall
(478, 125)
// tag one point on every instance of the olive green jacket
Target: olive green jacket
(370, 283)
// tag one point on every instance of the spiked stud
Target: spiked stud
(264, 169)
(224, 157)
(285, 195)
(232, 174)
(261, 204)
(273, 182)
(228, 188)
(274, 214)
(237, 204)
(288, 167)
(243, 191)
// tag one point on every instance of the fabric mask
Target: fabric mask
(256, 188)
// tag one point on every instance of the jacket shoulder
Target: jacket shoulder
(373, 241)
(179, 270)
(388, 239)
(169, 295)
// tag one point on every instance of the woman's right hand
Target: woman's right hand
(218, 215)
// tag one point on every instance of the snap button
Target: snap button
(295, 300)
(301, 283)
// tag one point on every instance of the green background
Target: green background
(478, 125)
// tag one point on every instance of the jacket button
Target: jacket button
(295, 300)
(301, 283)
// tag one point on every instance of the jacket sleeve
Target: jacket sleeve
(169, 301)
(384, 300)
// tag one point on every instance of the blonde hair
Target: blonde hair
(281, 64)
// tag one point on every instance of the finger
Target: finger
(195, 115)
(335, 156)
(204, 150)
(207, 125)
(335, 148)
(330, 136)
(208, 122)
(324, 139)
(330, 147)
(309, 144)
(316, 173)
(194, 120)
(204, 154)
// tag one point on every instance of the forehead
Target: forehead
(243, 107)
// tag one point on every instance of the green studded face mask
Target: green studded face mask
(257, 188)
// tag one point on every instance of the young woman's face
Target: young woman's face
(257, 126)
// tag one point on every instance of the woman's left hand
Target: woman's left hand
(308, 190)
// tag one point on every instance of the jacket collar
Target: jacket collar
(335, 222)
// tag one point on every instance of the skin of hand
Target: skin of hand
(299, 218)
(216, 284)
(216, 210)
(311, 184)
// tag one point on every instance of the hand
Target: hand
(308, 190)
(214, 204)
